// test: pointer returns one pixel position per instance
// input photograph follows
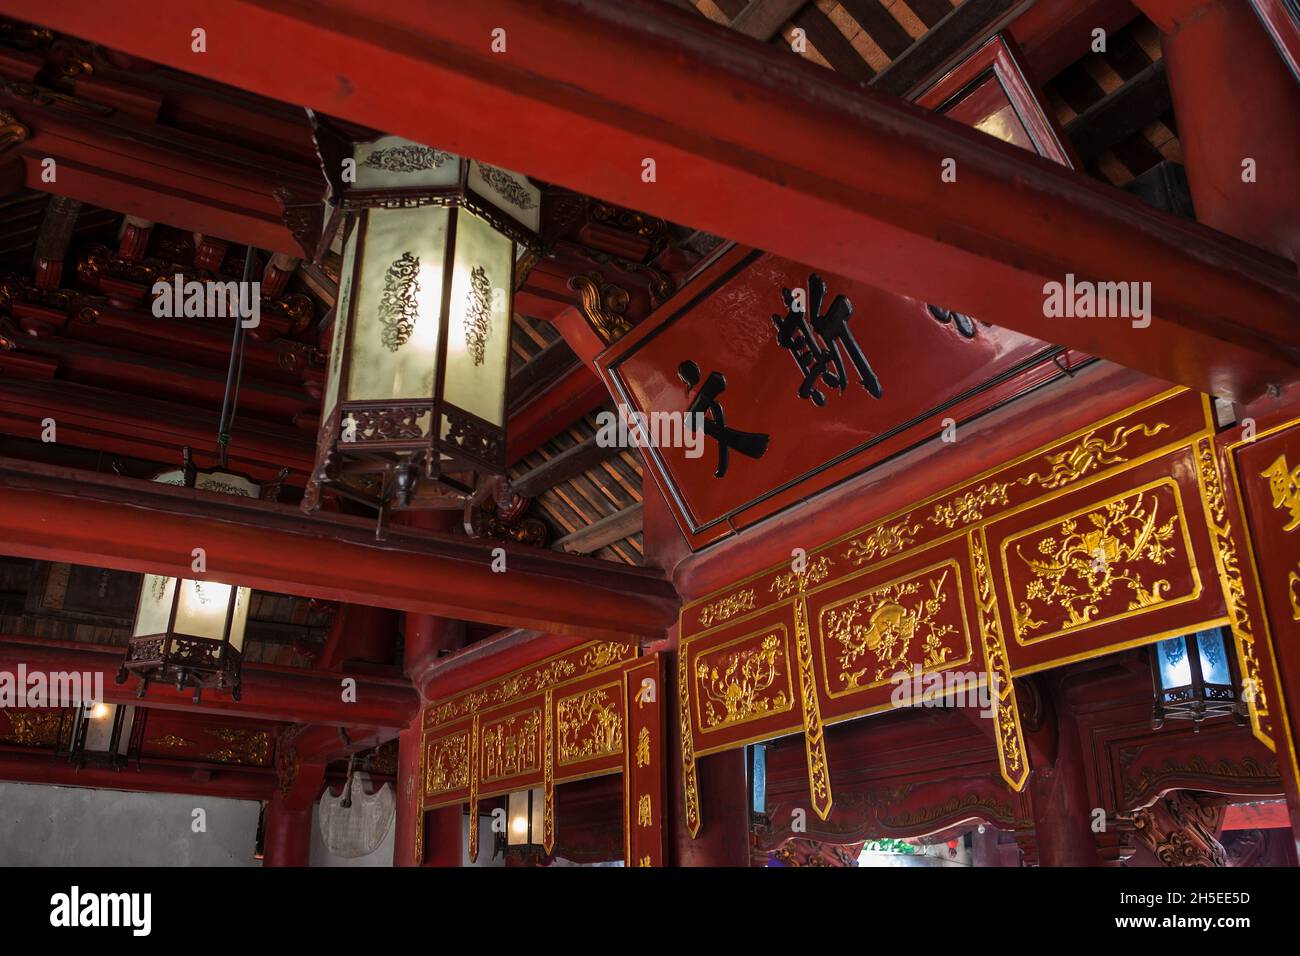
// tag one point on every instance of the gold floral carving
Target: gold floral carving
(1089, 454)
(530, 680)
(447, 764)
(1010, 739)
(1284, 483)
(970, 506)
(170, 741)
(876, 630)
(243, 747)
(744, 684)
(799, 579)
(510, 745)
(33, 728)
(727, 608)
(1098, 552)
(690, 785)
(882, 541)
(590, 725)
(1253, 691)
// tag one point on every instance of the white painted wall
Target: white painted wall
(42, 825)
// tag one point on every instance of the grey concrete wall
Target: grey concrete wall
(44, 825)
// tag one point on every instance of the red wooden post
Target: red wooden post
(1236, 104)
(287, 834)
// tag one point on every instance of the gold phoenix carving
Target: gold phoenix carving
(590, 725)
(1089, 454)
(874, 632)
(734, 687)
(1097, 552)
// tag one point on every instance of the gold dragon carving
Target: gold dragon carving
(1089, 454)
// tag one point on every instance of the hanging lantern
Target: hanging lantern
(102, 733)
(524, 818)
(188, 631)
(415, 396)
(1195, 677)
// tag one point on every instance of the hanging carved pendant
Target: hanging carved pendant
(478, 314)
(397, 309)
(410, 158)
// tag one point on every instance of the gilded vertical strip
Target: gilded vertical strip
(419, 798)
(814, 734)
(548, 776)
(473, 790)
(1012, 759)
(1253, 690)
(690, 785)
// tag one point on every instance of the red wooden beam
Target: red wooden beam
(83, 517)
(269, 693)
(43, 767)
(750, 143)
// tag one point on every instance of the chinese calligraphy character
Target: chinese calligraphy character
(818, 342)
(706, 404)
(643, 810)
(643, 747)
(1284, 483)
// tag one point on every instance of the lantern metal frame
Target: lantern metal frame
(188, 660)
(75, 724)
(1199, 699)
(389, 453)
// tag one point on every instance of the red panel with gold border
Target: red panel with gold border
(589, 726)
(1116, 562)
(1260, 519)
(1102, 540)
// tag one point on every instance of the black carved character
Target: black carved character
(705, 403)
(818, 347)
(964, 325)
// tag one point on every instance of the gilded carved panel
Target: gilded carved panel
(1112, 560)
(511, 745)
(918, 620)
(446, 764)
(744, 679)
(590, 724)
